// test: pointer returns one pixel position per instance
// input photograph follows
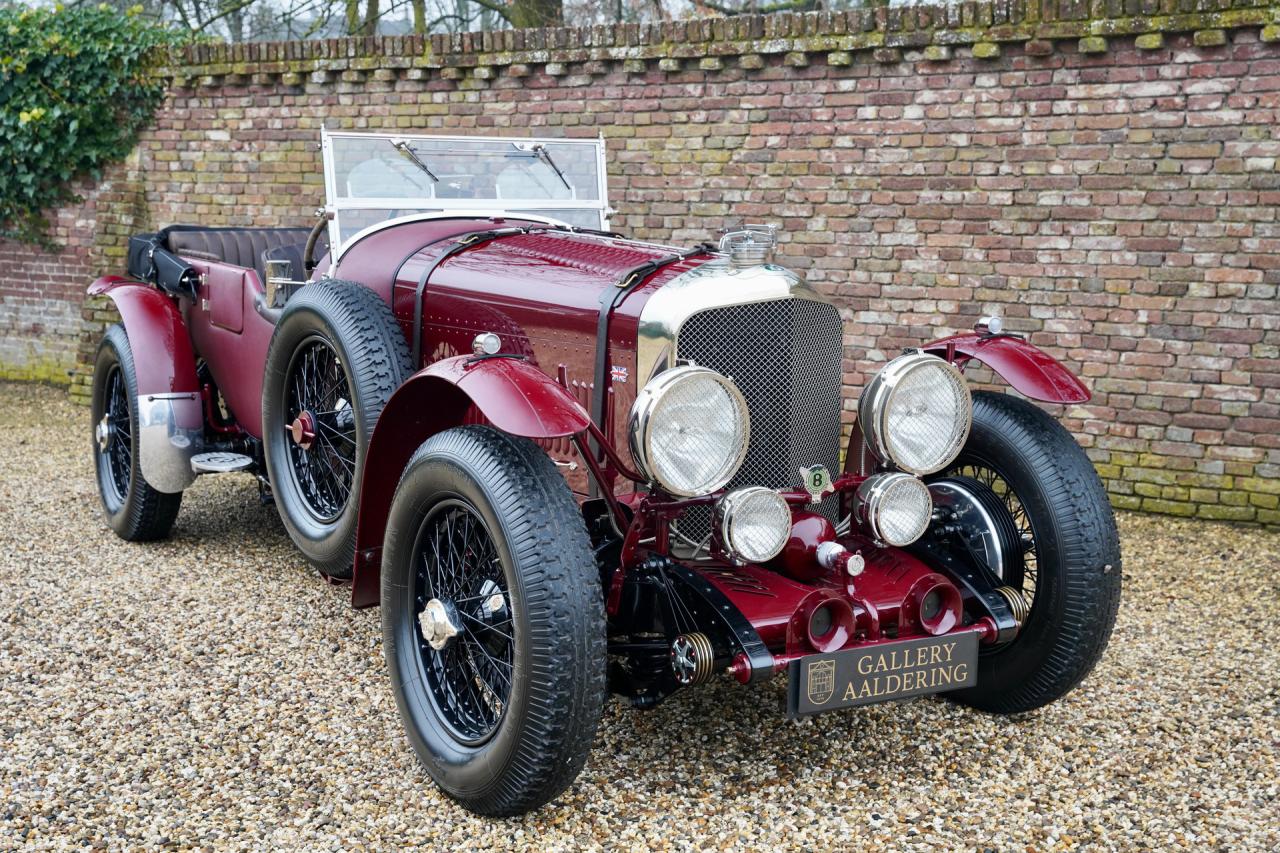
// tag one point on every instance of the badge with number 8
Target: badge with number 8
(817, 481)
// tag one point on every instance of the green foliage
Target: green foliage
(76, 87)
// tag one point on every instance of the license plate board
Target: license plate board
(882, 672)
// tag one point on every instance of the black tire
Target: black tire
(1076, 553)
(134, 510)
(544, 730)
(350, 329)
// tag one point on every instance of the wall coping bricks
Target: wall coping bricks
(674, 45)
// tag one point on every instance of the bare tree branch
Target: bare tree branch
(754, 8)
(283, 19)
(494, 6)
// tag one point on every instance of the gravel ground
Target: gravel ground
(211, 691)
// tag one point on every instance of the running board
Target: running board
(220, 463)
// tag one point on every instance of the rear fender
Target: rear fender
(1028, 369)
(170, 415)
(163, 357)
(510, 393)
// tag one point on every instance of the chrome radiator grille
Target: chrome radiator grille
(786, 357)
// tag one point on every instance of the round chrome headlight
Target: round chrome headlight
(916, 413)
(689, 430)
(894, 508)
(754, 523)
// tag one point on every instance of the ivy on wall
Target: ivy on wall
(75, 90)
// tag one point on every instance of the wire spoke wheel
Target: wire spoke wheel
(470, 674)
(321, 424)
(133, 508)
(1022, 571)
(492, 620)
(336, 357)
(115, 436)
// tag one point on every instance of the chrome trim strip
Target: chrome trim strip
(715, 284)
(170, 432)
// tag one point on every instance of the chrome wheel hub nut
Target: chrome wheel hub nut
(439, 623)
(102, 432)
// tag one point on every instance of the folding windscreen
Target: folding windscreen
(372, 177)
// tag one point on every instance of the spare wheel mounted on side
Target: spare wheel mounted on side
(336, 357)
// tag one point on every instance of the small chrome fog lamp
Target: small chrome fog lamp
(689, 430)
(754, 523)
(894, 508)
(916, 413)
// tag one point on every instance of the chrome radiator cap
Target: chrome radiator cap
(750, 245)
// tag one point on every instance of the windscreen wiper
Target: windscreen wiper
(407, 150)
(540, 151)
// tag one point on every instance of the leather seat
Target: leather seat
(241, 247)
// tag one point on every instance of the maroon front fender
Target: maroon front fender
(163, 358)
(1028, 369)
(510, 393)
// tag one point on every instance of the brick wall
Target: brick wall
(46, 327)
(40, 296)
(1104, 176)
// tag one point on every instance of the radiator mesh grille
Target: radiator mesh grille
(786, 358)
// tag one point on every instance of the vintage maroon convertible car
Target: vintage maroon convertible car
(566, 463)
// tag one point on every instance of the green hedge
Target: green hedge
(75, 90)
